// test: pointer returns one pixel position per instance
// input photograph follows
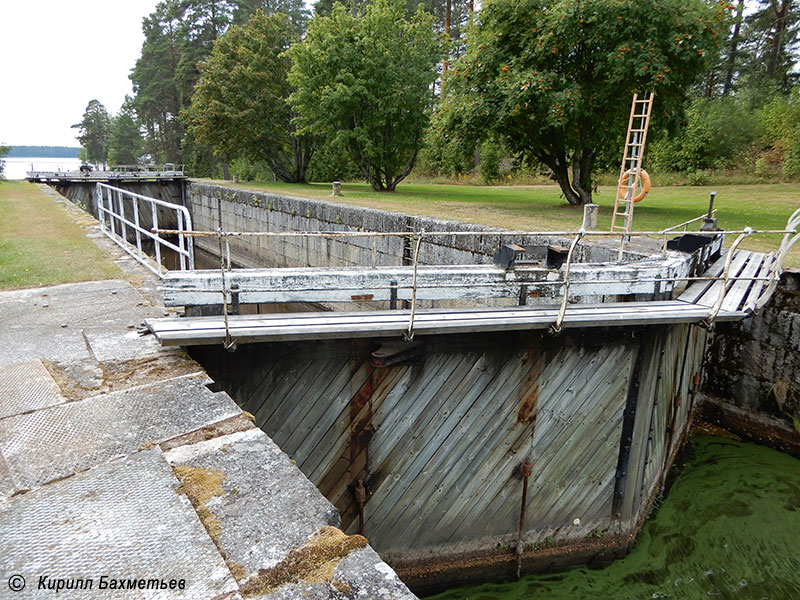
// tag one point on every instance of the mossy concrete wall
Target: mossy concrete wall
(752, 383)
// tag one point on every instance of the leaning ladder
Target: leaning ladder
(632, 162)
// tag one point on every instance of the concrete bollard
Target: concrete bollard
(235, 178)
(590, 214)
(337, 188)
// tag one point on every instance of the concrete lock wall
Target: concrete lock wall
(245, 210)
(752, 384)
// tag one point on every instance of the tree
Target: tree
(93, 132)
(3, 151)
(240, 109)
(366, 83)
(771, 35)
(555, 78)
(125, 138)
(157, 97)
(295, 9)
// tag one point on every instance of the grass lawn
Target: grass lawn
(541, 208)
(40, 244)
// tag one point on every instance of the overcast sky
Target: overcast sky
(56, 55)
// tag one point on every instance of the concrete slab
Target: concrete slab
(56, 442)
(122, 520)
(258, 512)
(63, 345)
(91, 304)
(361, 575)
(118, 345)
(25, 387)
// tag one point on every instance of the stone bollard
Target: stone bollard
(337, 188)
(590, 213)
(235, 178)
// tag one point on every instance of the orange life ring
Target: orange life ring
(644, 178)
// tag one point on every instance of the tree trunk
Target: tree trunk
(732, 49)
(582, 175)
(225, 174)
(777, 41)
(579, 190)
(447, 16)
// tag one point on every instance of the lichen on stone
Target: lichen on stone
(315, 562)
(200, 485)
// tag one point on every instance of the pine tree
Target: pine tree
(94, 131)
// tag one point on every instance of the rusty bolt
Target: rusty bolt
(361, 492)
(527, 468)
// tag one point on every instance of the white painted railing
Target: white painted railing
(116, 219)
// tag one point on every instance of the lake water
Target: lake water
(16, 168)
(729, 528)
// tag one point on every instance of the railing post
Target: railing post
(135, 203)
(121, 206)
(556, 327)
(98, 202)
(157, 244)
(181, 255)
(725, 276)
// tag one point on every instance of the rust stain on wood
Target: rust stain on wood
(361, 428)
(532, 363)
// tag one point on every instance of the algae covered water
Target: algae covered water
(728, 528)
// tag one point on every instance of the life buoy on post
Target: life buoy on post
(644, 179)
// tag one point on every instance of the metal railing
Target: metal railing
(791, 234)
(115, 222)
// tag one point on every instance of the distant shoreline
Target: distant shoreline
(43, 152)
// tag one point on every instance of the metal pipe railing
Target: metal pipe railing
(114, 223)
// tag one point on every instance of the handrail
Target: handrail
(563, 310)
(725, 277)
(486, 232)
(114, 223)
(790, 237)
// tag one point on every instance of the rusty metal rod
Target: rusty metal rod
(504, 232)
(526, 470)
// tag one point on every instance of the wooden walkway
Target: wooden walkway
(702, 300)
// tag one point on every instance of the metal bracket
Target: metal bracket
(398, 354)
(507, 255)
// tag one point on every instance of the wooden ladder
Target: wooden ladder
(632, 162)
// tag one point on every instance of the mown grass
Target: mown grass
(40, 244)
(543, 208)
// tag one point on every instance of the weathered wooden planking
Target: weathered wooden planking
(464, 452)
(315, 326)
(401, 463)
(711, 296)
(736, 293)
(427, 457)
(749, 303)
(571, 435)
(650, 345)
(321, 456)
(692, 293)
(257, 286)
(489, 491)
(421, 500)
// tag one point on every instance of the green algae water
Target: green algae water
(728, 528)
